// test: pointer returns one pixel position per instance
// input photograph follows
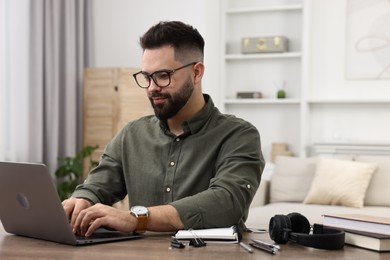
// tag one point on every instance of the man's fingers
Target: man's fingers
(85, 218)
(97, 223)
(76, 212)
(77, 207)
(68, 206)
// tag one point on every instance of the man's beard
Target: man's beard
(175, 102)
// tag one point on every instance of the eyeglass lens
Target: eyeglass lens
(161, 79)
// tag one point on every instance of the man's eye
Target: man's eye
(162, 75)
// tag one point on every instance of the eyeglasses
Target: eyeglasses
(161, 78)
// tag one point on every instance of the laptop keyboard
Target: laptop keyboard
(102, 235)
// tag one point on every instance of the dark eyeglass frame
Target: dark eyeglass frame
(151, 76)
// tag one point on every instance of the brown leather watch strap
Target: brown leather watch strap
(142, 223)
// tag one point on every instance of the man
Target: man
(189, 166)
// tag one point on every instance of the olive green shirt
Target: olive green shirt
(210, 173)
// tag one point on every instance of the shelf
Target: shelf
(284, 55)
(353, 148)
(265, 9)
(348, 101)
(243, 101)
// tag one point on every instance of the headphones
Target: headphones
(296, 228)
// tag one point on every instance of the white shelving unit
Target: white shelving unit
(322, 106)
(278, 120)
(285, 55)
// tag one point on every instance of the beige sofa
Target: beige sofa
(319, 185)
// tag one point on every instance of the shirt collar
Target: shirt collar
(194, 124)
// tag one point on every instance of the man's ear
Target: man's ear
(198, 72)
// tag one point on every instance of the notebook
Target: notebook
(31, 207)
(218, 235)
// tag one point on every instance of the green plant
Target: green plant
(70, 173)
(281, 93)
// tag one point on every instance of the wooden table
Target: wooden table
(157, 246)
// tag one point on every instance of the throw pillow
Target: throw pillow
(291, 178)
(340, 182)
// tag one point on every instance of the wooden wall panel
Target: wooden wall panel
(111, 99)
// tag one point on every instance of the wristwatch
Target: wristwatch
(141, 213)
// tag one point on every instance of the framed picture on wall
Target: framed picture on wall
(368, 39)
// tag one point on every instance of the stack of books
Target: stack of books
(366, 231)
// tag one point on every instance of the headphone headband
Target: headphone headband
(322, 238)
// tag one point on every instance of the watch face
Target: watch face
(139, 210)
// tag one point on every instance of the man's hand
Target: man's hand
(85, 218)
(73, 206)
(99, 215)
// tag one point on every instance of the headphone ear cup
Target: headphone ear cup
(279, 227)
(299, 223)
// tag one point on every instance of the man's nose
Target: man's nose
(153, 87)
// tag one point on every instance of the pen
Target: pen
(266, 249)
(266, 244)
(246, 247)
(256, 230)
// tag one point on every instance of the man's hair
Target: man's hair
(185, 39)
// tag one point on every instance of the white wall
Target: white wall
(354, 122)
(120, 23)
(327, 56)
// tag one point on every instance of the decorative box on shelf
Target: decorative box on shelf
(264, 44)
(250, 94)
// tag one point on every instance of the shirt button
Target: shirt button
(248, 186)
(177, 139)
(168, 189)
(172, 163)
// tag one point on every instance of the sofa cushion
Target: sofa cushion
(291, 179)
(340, 182)
(378, 192)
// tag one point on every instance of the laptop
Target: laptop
(31, 207)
